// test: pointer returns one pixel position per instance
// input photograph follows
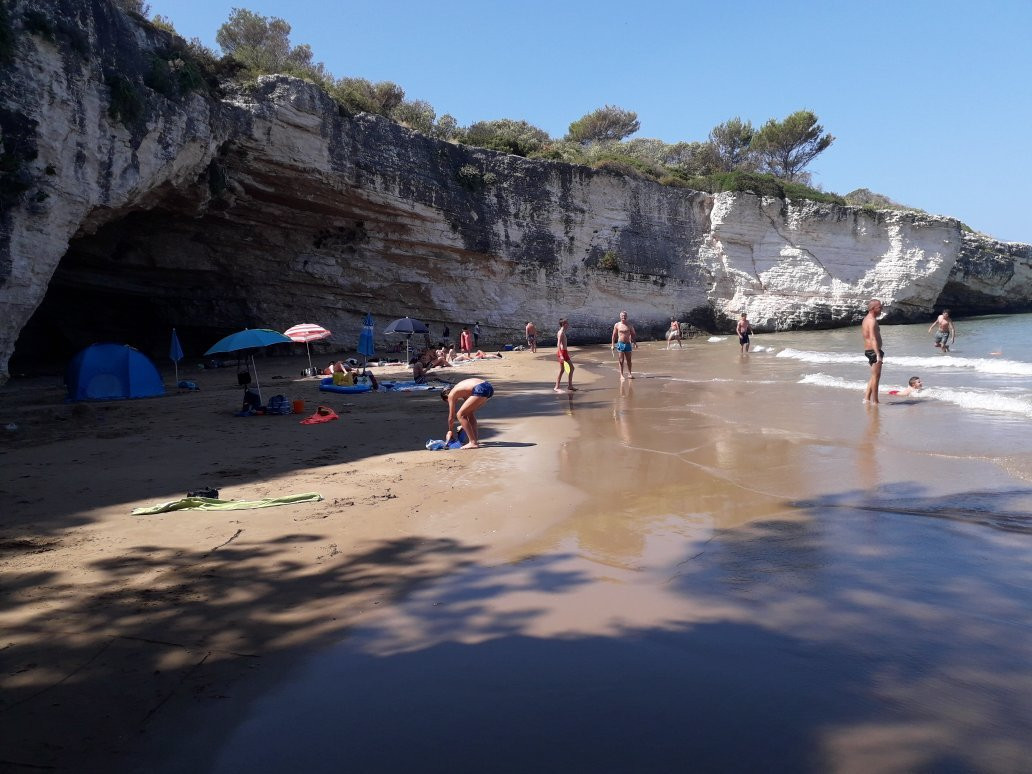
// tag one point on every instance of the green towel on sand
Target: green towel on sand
(211, 504)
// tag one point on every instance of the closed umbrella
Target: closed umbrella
(306, 332)
(175, 353)
(366, 348)
(406, 326)
(248, 341)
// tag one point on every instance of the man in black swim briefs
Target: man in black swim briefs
(873, 348)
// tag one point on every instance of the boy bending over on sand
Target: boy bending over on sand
(464, 400)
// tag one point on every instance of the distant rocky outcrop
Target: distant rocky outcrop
(126, 210)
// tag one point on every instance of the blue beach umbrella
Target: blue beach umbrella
(248, 341)
(249, 338)
(366, 347)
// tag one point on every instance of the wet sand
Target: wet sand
(691, 570)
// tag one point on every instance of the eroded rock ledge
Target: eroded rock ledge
(269, 206)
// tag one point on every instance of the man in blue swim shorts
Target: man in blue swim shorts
(623, 341)
(464, 400)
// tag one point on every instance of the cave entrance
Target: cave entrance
(117, 285)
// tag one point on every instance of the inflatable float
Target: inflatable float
(327, 385)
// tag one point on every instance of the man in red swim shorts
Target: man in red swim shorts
(562, 354)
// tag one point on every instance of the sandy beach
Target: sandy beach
(698, 566)
(134, 613)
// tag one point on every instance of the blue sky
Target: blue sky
(930, 102)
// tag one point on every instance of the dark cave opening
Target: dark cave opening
(114, 286)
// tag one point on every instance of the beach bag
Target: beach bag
(278, 404)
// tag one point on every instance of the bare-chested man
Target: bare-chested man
(674, 334)
(562, 354)
(744, 331)
(532, 337)
(624, 341)
(945, 325)
(873, 348)
(464, 400)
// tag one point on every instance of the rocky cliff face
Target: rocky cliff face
(268, 206)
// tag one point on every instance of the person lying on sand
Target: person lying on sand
(462, 357)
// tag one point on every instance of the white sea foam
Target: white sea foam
(717, 338)
(949, 362)
(808, 356)
(980, 364)
(978, 400)
(823, 380)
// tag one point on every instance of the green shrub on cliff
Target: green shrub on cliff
(627, 165)
(609, 261)
(473, 179)
(126, 103)
(262, 45)
(607, 124)
(507, 135)
(870, 201)
(761, 184)
(174, 72)
(359, 95)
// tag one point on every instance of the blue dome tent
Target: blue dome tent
(112, 372)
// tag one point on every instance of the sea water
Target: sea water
(988, 368)
(976, 401)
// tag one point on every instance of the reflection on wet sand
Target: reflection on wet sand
(867, 456)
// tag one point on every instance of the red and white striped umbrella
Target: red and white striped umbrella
(306, 332)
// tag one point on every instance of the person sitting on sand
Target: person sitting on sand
(341, 373)
(342, 376)
(914, 386)
(423, 362)
(464, 399)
